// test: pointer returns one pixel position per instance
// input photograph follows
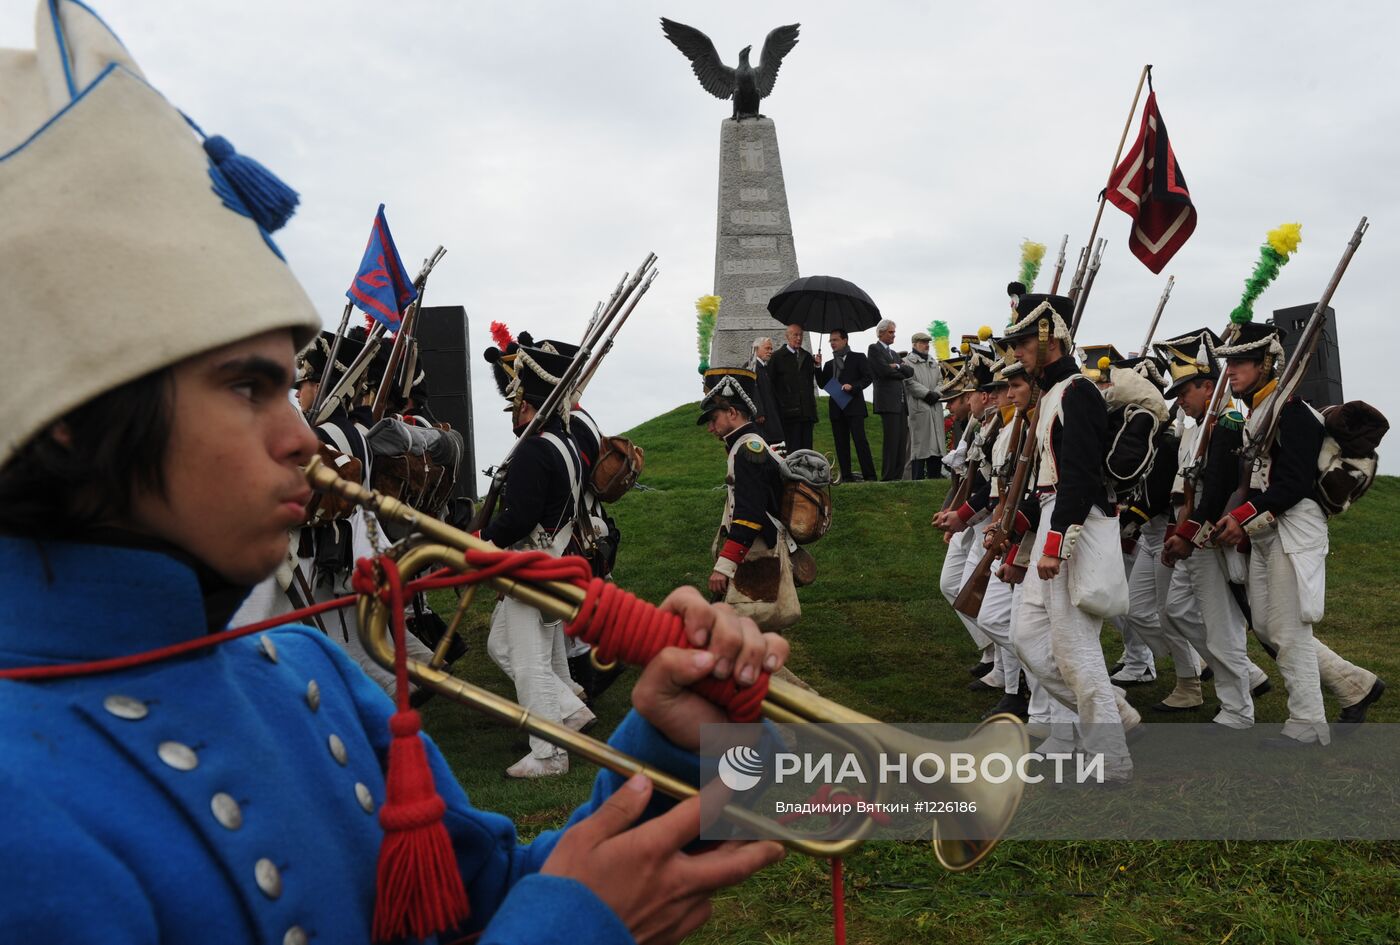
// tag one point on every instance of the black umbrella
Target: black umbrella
(824, 303)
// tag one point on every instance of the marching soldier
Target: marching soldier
(597, 533)
(750, 529)
(1078, 532)
(1141, 463)
(1199, 594)
(967, 405)
(1287, 534)
(994, 616)
(538, 506)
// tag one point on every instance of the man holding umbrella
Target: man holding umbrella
(816, 304)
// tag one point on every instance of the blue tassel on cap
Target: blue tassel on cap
(267, 199)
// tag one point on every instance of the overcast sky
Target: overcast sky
(550, 146)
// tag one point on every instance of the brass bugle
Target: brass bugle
(785, 703)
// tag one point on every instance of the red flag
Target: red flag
(1149, 187)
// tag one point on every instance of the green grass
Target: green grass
(877, 635)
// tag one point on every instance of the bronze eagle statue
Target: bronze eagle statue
(744, 84)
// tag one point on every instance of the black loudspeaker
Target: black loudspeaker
(446, 354)
(1322, 381)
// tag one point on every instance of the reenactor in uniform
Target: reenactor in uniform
(751, 523)
(994, 616)
(969, 406)
(1140, 463)
(542, 488)
(602, 538)
(1199, 594)
(1055, 636)
(211, 788)
(1287, 534)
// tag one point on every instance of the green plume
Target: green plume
(1273, 255)
(706, 312)
(1031, 256)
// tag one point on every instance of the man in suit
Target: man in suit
(769, 420)
(889, 372)
(851, 369)
(793, 370)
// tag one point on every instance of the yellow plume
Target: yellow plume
(1104, 363)
(1285, 238)
(1032, 252)
(707, 304)
(964, 348)
(984, 333)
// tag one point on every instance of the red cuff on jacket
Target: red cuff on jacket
(965, 512)
(1020, 525)
(1053, 541)
(1187, 530)
(1011, 552)
(733, 550)
(1244, 513)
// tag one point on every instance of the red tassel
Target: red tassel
(418, 888)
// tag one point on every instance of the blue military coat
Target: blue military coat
(229, 795)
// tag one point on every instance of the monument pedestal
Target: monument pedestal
(754, 254)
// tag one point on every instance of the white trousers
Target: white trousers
(1307, 663)
(950, 581)
(531, 652)
(1059, 643)
(994, 619)
(1201, 600)
(1147, 619)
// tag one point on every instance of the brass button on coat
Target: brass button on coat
(268, 648)
(337, 749)
(313, 695)
(365, 798)
(296, 935)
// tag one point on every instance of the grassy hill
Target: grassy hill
(877, 635)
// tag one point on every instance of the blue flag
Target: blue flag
(382, 288)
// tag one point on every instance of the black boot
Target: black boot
(1013, 703)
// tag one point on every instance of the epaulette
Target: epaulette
(1231, 420)
(755, 451)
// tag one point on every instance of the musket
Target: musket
(1059, 265)
(1191, 473)
(330, 361)
(1077, 279)
(969, 599)
(1157, 316)
(350, 380)
(592, 367)
(405, 332)
(993, 427)
(565, 388)
(1292, 375)
(1082, 297)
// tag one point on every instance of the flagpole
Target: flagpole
(1077, 284)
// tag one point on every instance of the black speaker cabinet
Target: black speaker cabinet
(443, 342)
(1322, 381)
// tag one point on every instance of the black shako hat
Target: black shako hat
(728, 387)
(1031, 309)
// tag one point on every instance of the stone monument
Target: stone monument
(754, 255)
